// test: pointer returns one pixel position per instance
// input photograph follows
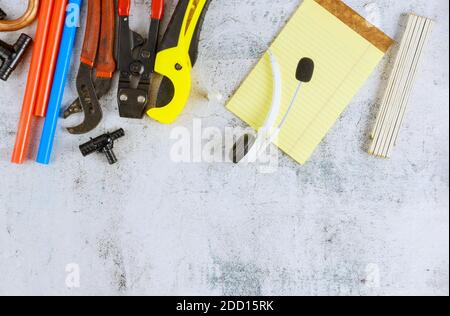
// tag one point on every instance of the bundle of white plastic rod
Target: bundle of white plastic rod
(400, 84)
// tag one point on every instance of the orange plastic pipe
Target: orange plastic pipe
(31, 91)
(51, 57)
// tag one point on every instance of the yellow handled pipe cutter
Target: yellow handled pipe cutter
(175, 58)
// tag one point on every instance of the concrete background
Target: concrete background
(343, 224)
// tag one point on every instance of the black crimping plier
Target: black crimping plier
(173, 58)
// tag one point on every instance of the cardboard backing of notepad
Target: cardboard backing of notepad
(345, 48)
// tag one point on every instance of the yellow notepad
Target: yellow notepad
(345, 49)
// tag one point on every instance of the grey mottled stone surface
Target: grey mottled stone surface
(345, 223)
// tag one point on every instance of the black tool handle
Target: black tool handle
(193, 50)
(174, 30)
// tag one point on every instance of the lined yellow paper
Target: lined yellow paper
(344, 59)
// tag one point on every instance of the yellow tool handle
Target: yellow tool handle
(175, 64)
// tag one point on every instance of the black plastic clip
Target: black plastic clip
(11, 55)
(103, 144)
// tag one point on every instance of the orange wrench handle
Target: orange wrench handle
(92, 34)
(106, 64)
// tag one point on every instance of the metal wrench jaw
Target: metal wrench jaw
(89, 102)
(74, 108)
(102, 87)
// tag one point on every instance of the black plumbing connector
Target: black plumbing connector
(103, 144)
(11, 55)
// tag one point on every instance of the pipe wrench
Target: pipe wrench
(177, 54)
(97, 55)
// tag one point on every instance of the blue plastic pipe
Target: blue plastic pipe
(59, 81)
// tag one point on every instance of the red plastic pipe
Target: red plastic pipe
(157, 9)
(32, 89)
(124, 7)
(51, 57)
